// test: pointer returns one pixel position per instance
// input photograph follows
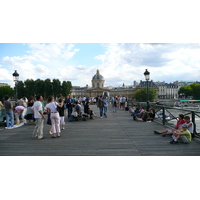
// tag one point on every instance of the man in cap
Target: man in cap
(184, 135)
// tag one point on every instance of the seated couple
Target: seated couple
(183, 130)
(146, 116)
(76, 111)
(88, 110)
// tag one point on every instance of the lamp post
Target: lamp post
(147, 76)
(15, 79)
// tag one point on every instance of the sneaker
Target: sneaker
(156, 132)
(9, 127)
(163, 134)
(63, 128)
(173, 142)
(50, 133)
(41, 138)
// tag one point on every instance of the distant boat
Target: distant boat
(188, 104)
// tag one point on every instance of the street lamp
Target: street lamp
(15, 79)
(147, 77)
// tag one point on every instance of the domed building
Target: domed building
(97, 88)
(98, 80)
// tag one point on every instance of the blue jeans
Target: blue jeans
(9, 117)
(101, 111)
(105, 108)
(69, 111)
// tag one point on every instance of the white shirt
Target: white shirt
(52, 106)
(191, 128)
(37, 106)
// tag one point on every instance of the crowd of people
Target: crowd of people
(33, 110)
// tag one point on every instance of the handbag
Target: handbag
(74, 113)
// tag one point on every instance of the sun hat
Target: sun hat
(184, 125)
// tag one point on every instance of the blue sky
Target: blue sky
(118, 62)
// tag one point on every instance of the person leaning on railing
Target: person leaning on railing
(170, 131)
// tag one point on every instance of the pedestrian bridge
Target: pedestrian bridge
(117, 135)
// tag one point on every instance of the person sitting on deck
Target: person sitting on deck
(170, 131)
(88, 110)
(132, 109)
(147, 116)
(190, 125)
(151, 114)
(138, 113)
(77, 111)
(183, 134)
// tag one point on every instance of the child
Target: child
(182, 134)
(190, 125)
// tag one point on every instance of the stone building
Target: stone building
(98, 88)
(165, 90)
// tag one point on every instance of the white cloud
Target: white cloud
(121, 63)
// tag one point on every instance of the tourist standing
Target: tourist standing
(1, 105)
(62, 114)
(105, 107)
(55, 117)
(39, 117)
(69, 102)
(9, 113)
(29, 112)
(100, 105)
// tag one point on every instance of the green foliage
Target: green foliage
(6, 90)
(39, 87)
(190, 90)
(141, 94)
(44, 87)
(65, 89)
(20, 90)
(56, 87)
(48, 88)
(29, 85)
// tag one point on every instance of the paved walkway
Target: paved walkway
(117, 135)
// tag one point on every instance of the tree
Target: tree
(186, 91)
(56, 88)
(21, 90)
(141, 94)
(48, 88)
(39, 87)
(6, 90)
(195, 90)
(29, 87)
(66, 88)
(190, 90)
(69, 87)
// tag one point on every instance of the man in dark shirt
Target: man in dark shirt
(9, 113)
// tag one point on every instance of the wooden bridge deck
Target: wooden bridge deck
(117, 135)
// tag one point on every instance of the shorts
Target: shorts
(184, 139)
(169, 131)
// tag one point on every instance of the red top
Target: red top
(179, 123)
